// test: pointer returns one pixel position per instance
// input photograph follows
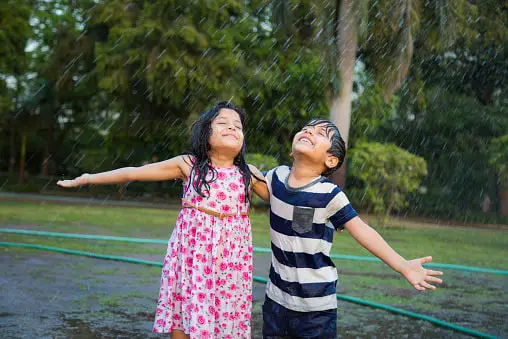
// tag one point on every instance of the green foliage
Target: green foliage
(263, 162)
(453, 136)
(14, 34)
(369, 112)
(499, 156)
(165, 54)
(290, 96)
(393, 25)
(388, 174)
(112, 83)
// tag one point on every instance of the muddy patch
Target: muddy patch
(48, 295)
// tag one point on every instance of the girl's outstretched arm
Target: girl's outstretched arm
(175, 168)
(412, 270)
(259, 183)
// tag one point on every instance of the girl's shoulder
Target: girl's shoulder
(189, 159)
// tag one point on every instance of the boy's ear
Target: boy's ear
(331, 161)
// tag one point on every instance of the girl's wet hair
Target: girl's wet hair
(338, 146)
(200, 134)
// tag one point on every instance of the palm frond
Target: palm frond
(391, 41)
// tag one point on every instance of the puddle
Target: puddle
(58, 296)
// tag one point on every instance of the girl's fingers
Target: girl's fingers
(65, 183)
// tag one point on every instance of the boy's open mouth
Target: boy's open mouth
(306, 140)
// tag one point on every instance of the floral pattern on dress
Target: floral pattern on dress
(206, 281)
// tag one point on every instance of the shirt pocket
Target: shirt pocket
(302, 219)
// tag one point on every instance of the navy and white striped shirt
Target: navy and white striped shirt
(302, 222)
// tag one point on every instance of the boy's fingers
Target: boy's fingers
(425, 260)
(432, 279)
(427, 285)
(431, 272)
(418, 287)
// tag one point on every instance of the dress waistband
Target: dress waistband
(188, 204)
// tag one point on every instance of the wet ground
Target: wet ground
(49, 295)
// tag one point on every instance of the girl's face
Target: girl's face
(227, 132)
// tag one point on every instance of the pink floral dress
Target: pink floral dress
(206, 283)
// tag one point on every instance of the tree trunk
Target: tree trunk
(12, 149)
(48, 152)
(347, 44)
(22, 156)
(503, 199)
(12, 134)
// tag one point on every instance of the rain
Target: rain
(417, 89)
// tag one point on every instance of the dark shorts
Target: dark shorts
(281, 323)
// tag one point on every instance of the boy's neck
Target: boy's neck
(302, 174)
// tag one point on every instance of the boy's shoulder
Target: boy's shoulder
(323, 185)
(281, 171)
(280, 168)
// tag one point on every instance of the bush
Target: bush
(387, 174)
(261, 161)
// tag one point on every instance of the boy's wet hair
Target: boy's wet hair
(338, 146)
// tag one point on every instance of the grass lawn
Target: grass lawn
(452, 245)
(476, 300)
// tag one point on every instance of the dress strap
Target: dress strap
(188, 204)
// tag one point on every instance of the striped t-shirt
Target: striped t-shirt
(302, 222)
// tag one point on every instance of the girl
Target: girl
(206, 283)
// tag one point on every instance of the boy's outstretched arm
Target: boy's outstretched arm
(175, 168)
(418, 276)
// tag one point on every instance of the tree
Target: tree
(499, 159)
(161, 64)
(62, 60)
(384, 32)
(452, 135)
(14, 34)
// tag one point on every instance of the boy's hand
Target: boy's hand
(420, 277)
(79, 181)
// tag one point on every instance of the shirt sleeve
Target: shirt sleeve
(268, 178)
(340, 211)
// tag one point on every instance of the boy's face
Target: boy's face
(314, 142)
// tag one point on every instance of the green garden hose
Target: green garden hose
(263, 280)
(255, 249)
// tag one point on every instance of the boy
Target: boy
(305, 209)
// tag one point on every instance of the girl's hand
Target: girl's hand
(420, 277)
(79, 181)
